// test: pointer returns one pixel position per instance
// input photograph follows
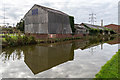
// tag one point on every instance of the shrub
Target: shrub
(101, 31)
(20, 40)
(25, 40)
(71, 18)
(13, 41)
(7, 38)
(106, 31)
(112, 32)
(31, 40)
(10, 41)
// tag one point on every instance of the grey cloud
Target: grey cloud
(80, 9)
(106, 11)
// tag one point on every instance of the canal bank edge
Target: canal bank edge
(28, 40)
(111, 68)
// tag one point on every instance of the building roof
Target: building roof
(112, 25)
(93, 26)
(78, 26)
(48, 9)
(51, 10)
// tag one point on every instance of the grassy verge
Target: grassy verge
(110, 69)
(18, 40)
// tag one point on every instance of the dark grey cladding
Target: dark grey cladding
(58, 24)
(45, 20)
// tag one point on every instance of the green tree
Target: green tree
(20, 26)
(71, 18)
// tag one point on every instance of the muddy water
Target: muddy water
(72, 59)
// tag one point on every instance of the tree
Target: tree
(9, 26)
(20, 26)
(71, 18)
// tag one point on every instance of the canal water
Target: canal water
(71, 59)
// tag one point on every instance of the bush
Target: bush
(25, 40)
(101, 31)
(7, 38)
(106, 31)
(112, 32)
(10, 41)
(32, 40)
(20, 40)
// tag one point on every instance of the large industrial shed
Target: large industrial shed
(43, 22)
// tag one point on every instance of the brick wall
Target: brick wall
(45, 36)
(114, 27)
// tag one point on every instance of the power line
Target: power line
(92, 18)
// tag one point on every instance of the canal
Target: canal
(81, 58)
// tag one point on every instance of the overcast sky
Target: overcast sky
(80, 9)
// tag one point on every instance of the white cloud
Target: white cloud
(80, 9)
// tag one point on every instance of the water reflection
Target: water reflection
(40, 58)
(43, 57)
(11, 53)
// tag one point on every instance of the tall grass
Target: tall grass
(19, 40)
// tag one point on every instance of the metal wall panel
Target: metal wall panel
(36, 23)
(58, 24)
(45, 22)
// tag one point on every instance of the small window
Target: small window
(35, 12)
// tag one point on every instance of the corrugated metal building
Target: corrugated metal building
(114, 27)
(90, 26)
(105, 30)
(80, 29)
(43, 20)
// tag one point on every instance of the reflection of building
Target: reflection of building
(114, 41)
(94, 41)
(80, 44)
(41, 58)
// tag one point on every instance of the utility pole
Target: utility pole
(102, 23)
(7, 24)
(13, 25)
(92, 18)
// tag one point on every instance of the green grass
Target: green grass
(110, 69)
(11, 35)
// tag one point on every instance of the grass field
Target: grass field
(110, 69)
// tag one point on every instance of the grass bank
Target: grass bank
(18, 40)
(110, 69)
